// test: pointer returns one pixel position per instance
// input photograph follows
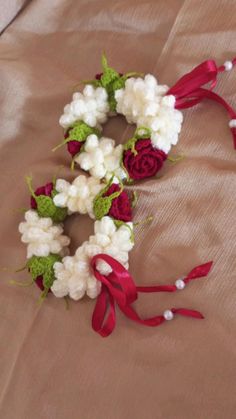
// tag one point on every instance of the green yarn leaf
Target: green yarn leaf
(112, 102)
(80, 131)
(118, 83)
(108, 77)
(109, 74)
(102, 206)
(43, 266)
(47, 208)
(111, 81)
(59, 215)
(45, 204)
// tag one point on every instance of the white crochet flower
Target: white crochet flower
(91, 107)
(42, 236)
(115, 242)
(101, 157)
(145, 103)
(74, 276)
(77, 196)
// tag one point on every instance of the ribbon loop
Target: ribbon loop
(198, 77)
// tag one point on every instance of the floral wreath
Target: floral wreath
(155, 109)
(99, 267)
(49, 262)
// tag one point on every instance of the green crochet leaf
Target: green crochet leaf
(47, 208)
(111, 81)
(43, 266)
(118, 83)
(102, 206)
(59, 215)
(109, 74)
(80, 131)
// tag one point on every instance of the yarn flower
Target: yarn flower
(100, 157)
(144, 160)
(145, 103)
(43, 237)
(121, 208)
(77, 196)
(114, 201)
(91, 107)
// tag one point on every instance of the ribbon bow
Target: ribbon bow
(119, 288)
(189, 90)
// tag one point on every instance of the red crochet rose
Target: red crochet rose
(42, 190)
(121, 208)
(146, 163)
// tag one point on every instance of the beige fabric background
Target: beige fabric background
(52, 365)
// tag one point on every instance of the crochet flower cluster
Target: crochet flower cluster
(91, 107)
(145, 103)
(101, 158)
(77, 196)
(42, 236)
(74, 276)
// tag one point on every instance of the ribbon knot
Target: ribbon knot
(119, 288)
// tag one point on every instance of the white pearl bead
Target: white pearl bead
(232, 123)
(180, 284)
(168, 315)
(228, 65)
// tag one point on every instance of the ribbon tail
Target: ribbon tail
(133, 315)
(158, 320)
(188, 313)
(199, 271)
(156, 288)
(99, 324)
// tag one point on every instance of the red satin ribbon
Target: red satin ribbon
(198, 77)
(189, 89)
(119, 287)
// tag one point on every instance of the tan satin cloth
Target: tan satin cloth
(53, 366)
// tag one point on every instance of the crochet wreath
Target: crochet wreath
(99, 266)
(48, 260)
(143, 102)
